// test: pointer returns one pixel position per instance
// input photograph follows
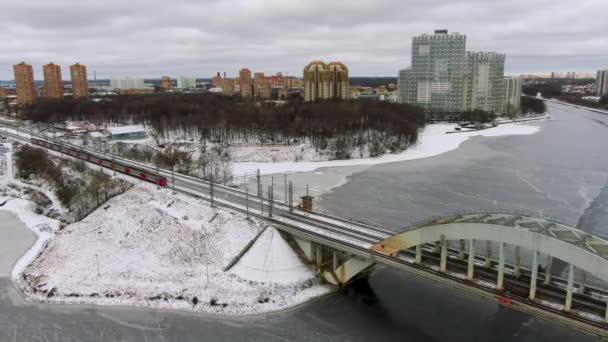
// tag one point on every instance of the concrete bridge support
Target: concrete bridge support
(444, 254)
(547, 280)
(534, 275)
(517, 266)
(461, 249)
(488, 262)
(501, 267)
(582, 284)
(471, 264)
(334, 266)
(570, 288)
(528, 235)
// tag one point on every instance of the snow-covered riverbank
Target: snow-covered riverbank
(149, 248)
(431, 142)
(41, 225)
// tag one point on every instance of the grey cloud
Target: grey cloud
(150, 38)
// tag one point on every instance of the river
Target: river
(562, 171)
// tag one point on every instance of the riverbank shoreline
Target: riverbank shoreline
(325, 177)
(27, 300)
(61, 269)
(600, 111)
(432, 142)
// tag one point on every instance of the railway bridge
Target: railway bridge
(510, 257)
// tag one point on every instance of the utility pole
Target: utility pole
(290, 197)
(259, 183)
(262, 203)
(285, 188)
(157, 176)
(173, 178)
(211, 189)
(270, 200)
(247, 201)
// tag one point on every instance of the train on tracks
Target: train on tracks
(107, 163)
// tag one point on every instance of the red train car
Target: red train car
(110, 164)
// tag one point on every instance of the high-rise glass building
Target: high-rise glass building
(601, 83)
(436, 78)
(186, 82)
(127, 83)
(447, 80)
(512, 94)
(484, 81)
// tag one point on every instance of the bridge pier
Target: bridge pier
(541, 237)
(501, 267)
(488, 253)
(517, 268)
(444, 254)
(534, 275)
(341, 269)
(319, 256)
(471, 264)
(461, 250)
(334, 260)
(547, 280)
(306, 247)
(570, 288)
(582, 285)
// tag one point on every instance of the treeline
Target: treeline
(578, 99)
(553, 89)
(220, 119)
(548, 89)
(532, 105)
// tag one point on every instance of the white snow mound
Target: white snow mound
(271, 260)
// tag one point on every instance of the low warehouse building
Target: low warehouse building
(96, 136)
(136, 132)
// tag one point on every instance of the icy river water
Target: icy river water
(561, 171)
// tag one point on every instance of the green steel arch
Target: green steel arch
(576, 247)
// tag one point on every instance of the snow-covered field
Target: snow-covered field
(278, 153)
(147, 247)
(432, 141)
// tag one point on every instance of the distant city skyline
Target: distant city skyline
(149, 39)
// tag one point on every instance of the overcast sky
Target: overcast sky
(151, 38)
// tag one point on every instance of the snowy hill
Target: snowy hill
(271, 259)
(149, 248)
